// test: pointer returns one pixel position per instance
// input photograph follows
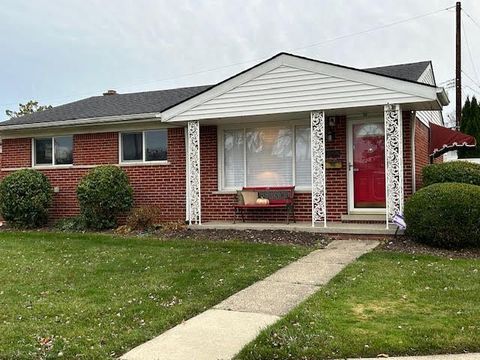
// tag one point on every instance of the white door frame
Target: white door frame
(350, 187)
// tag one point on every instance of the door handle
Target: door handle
(350, 167)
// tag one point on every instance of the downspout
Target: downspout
(414, 175)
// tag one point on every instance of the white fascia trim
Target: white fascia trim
(424, 91)
(85, 121)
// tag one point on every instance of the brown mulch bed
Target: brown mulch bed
(253, 236)
(405, 245)
(179, 231)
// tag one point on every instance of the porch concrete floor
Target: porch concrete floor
(332, 227)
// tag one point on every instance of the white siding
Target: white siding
(433, 116)
(289, 89)
(427, 76)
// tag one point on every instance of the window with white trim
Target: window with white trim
(265, 156)
(144, 146)
(56, 150)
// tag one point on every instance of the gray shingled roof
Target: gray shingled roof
(157, 101)
(111, 105)
(409, 72)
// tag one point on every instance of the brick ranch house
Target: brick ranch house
(352, 141)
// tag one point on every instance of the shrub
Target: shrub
(445, 215)
(103, 194)
(25, 197)
(454, 171)
(143, 218)
(75, 223)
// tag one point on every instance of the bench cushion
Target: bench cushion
(249, 197)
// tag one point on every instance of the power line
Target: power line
(470, 53)
(472, 89)
(471, 79)
(471, 18)
(341, 37)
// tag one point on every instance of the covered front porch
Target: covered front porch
(316, 152)
(341, 136)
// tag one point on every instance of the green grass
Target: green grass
(386, 302)
(97, 296)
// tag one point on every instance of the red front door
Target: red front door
(368, 165)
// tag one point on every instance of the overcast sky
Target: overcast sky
(60, 51)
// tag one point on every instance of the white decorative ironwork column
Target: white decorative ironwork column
(193, 173)
(393, 161)
(319, 202)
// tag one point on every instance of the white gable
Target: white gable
(291, 84)
(434, 116)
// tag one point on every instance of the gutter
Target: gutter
(84, 121)
(442, 96)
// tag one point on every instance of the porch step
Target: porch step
(364, 218)
(334, 228)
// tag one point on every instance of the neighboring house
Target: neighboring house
(363, 132)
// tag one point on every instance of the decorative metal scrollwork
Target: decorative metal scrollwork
(319, 208)
(393, 161)
(193, 166)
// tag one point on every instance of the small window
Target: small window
(155, 145)
(146, 146)
(53, 151)
(132, 147)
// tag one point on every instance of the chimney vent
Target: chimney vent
(109, 92)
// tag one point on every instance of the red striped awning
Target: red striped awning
(443, 140)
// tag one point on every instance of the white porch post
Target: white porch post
(319, 205)
(393, 161)
(193, 173)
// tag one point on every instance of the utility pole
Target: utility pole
(458, 70)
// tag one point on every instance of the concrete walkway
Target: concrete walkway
(221, 332)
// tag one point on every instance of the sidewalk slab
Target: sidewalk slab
(212, 335)
(331, 256)
(268, 297)
(306, 273)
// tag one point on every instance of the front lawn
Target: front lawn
(97, 296)
(385, 303)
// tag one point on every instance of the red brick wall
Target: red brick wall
(421, 151)
(95, 149)
(16, 153)
(164, 185)
(160, 185)
(336, 181)
(407, 154)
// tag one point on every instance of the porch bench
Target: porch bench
(279, 197)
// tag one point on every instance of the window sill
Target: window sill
(146, 163)
(47, 167)
(232, 192)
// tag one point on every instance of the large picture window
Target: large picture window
(266, 156)
(53, 150)
(144, 146)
